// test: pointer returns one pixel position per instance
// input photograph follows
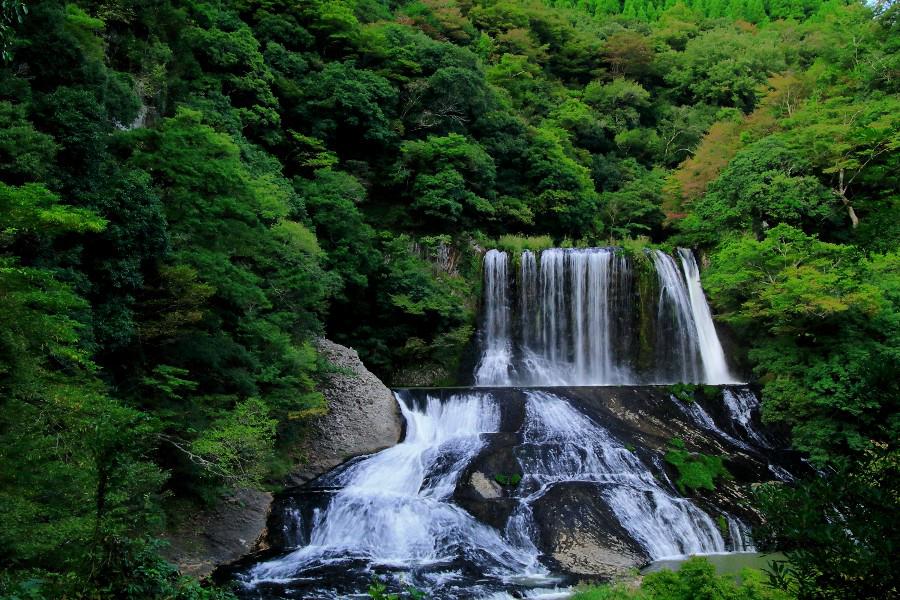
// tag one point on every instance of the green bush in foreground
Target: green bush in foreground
(696, 580)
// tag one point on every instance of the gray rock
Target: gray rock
(580, 533)
(233, 527)
(485, 487)
(363, 416)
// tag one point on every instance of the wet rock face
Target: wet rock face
(478, 490)
(233, 527)
(579, 532)
(363, 416)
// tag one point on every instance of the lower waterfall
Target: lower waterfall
(394, 515)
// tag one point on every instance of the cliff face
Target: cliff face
(363, 416)
(235, 526)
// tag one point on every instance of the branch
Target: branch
(197, 459)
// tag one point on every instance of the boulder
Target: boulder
(577, 530)
(478, 490)
(233, 527)
(363, 416)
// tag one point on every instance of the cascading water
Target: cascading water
(741, 405)
(699, 416)
(393, 509)
(710, 348)
(560, 444)
(675, 321)
(496, 361)
(565, 317)
(579, 321)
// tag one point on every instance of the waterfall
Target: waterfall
(674, 310)
(496, 360)
(394, 507)
(568, 447)
(528, 281)
(739, 533)
(710, 348)
(563, 317)
(577, 321)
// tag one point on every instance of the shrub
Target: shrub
(508, 479)
(695, 580)
(695, 470)
(516, 244)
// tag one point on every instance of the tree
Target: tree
(765, 184)
(621, 102)
(724, 67)
(25, 153)
(836, 530)
(333, 200)
(633, 210)
(73, 463)
(449, 181)
(628, 54)
(826, 336)
(848, 140)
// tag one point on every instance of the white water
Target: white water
(394, 507)
(674, 306)
(710, 348)
(741, 404)
(569, 317)
(700, 417)
(739, 533)
(496, 365)
(566, 446)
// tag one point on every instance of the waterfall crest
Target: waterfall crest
(594, 316)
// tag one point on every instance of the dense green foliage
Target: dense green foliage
(191, 192)
(813, 520)
(696, 579)
(696, 471)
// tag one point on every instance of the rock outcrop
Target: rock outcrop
(363, 416)
(579, 532)
(235, 526)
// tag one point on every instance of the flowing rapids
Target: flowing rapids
(393, 509)
(588, 317)
(469, 504)
(563, 445)
(393, 515)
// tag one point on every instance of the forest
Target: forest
(192, 192)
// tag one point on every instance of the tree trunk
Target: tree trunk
(842, 194)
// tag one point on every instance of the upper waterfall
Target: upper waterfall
(595, 316)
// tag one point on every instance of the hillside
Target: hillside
(191, 193)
